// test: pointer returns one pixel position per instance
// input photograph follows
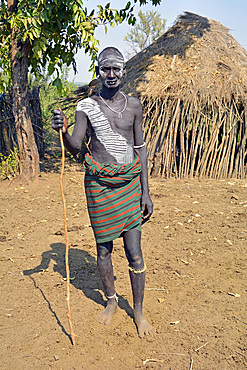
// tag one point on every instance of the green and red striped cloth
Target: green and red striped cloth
(113, 195)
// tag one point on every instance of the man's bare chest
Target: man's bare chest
(120, 122)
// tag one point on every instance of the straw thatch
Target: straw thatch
(192, 83)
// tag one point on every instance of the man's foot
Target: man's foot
(105, 316)
(143, 327)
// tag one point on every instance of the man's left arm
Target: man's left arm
(147, 204)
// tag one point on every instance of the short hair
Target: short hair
(109, 48)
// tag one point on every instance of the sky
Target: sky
(231, 13)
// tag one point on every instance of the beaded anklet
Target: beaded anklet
(138, 271)
(113, 296)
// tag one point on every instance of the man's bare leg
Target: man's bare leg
(138, 284)
(132, 244)
(105, 269)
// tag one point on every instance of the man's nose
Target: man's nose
(111, 73)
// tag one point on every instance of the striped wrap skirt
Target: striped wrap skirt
(113, 194)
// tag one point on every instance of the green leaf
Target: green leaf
(42, 45)
(39, 53)
(75, 8)
(58, 83)
(30, 36)
(51, 68)
(86, 25)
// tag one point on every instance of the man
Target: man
(116, 179)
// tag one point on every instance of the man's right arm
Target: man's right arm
(72, 142)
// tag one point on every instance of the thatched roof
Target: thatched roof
(197, 56)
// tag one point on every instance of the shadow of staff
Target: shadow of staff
(83, 274)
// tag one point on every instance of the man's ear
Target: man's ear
(124, 72)
(97, 71)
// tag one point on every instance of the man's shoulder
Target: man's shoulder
(134, 101)
(86, 103)
(95, 97)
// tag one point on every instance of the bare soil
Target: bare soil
(195, 251)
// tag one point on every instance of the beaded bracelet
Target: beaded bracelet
(139, 146)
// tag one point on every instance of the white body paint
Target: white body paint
(114, 143)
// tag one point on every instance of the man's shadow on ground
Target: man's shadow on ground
(83, 275)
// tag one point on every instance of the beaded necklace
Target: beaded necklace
(113, 110)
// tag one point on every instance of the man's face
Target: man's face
(111, 69)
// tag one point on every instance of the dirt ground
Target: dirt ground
(195, 251)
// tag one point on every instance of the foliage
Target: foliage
(49, 97)
(48, 93)
(9, 165)
(54, 31)
(146, 31)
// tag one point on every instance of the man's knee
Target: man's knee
(136, 262)
(133, 252)
(104, 251)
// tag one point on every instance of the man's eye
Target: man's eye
(104, 69)
(116, 69)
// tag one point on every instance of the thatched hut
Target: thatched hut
(192, 83)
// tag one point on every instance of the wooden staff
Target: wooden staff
(67, 241)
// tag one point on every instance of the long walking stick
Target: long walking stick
(67, 241)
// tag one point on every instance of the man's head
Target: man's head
(111, 67)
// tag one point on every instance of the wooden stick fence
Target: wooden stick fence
(195, 138)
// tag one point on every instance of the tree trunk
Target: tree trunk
(36, 117)
(29, 156)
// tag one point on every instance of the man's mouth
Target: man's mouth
(111, 82)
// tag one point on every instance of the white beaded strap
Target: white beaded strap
(113, 296)
(138, 271)
(139, 146)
